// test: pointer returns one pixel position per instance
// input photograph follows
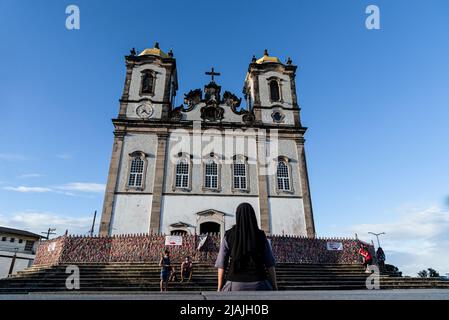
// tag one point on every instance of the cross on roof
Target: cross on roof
(212, 73)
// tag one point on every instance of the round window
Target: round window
(277, 116)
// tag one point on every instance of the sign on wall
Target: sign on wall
(173, 240)
(334, 246)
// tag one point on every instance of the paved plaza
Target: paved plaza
(410, 294)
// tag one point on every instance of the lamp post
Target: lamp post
(377, 236)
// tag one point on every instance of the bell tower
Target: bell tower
(150, 85)
(270, 91)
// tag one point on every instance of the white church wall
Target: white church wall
(264, 89)
(287, 148)
(146, 143)
(287, 216)
(180, 208)
(131, 214)
(226, 175)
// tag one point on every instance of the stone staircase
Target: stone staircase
(134, 277)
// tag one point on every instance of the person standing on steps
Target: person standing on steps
(367, 258)
(246, 250)
(380, 256)
(166, 269)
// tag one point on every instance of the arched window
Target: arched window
(274, 91)
(178, 233)
(240, 173)
(211, 174)
(147, 82)
(182, 173)
(283, 178)
(136, 170)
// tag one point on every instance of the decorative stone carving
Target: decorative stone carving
(212, 112)
(192, 98)
(248, 118)
(231, 100)
(212, 92)
(175, 114)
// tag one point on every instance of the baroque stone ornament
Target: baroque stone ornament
(248, 118)
(145, 111)
(231, 100)
(176, 114)
(192, 98)
(212, 112)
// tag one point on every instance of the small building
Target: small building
(17, 250)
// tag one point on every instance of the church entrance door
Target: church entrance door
(209, 227)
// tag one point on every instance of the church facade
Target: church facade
(185, 169)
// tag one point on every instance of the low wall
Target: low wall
(148, 247)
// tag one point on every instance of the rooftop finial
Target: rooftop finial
(170, 53)
(289, 61)
(254, 58)
(265, 52)
(156, 45)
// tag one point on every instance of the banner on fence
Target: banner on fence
(51, 247)
(201, 242)
(334, 246)
(173, 240)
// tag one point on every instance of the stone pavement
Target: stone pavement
(409, 294)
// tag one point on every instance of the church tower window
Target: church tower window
(283, 176)
(147, 86)
(137, 170)
(274, 91)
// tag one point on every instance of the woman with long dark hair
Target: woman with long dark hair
(245, 249)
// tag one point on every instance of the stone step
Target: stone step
(146, 277)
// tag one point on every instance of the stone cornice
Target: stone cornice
(158, 125)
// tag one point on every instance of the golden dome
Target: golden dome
(267, 59)
(156, 51)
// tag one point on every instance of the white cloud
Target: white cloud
(38, 222)
(24, 189)
(29, 175)
(83, 187)
(417, 240)
(64, 156)
(11, 157)
(69, 189)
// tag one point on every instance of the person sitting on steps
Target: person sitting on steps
(186, 269)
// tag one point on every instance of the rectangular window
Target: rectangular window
(20, 241)
(29, 245)
(3, 238)
(240, 176)
(182, 175)
(12, 240)
(283, 177)
(136, 173)
(211, 176)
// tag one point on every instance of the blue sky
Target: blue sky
(376, 103)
